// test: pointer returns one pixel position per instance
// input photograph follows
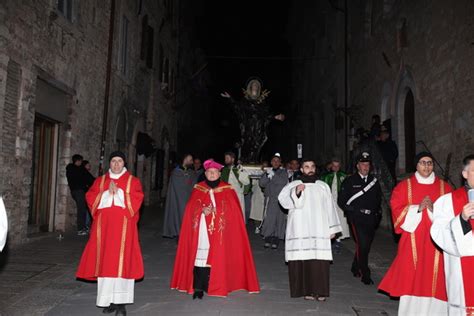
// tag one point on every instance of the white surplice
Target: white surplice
(448, 234)
(203, 240)
(239, 185)
(312, 219)
(3, 224)
(345, 233)
(257, 205)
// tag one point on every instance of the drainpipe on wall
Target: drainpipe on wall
(346, 84)
(107, 86)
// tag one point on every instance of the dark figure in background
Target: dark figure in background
(89, 181)
(293, 169)
(389, 151)
(197, 165)
(181, 183)
(360, 199)
(376, 127)
(274, 222)
(76, 179)
(254, 117)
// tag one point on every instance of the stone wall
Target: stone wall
(69, 55)
(38, 42)
(396, 47)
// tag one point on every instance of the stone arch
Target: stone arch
(403, 128)
(139, 126)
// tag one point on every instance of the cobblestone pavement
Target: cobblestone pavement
(38, 279)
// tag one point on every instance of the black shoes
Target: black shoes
(119, 309)
(356, 273)
(111, 309)
(198, 294)
(367, 281)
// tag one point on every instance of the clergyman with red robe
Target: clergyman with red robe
(453, 220)
(112, 255)
(417, 272)
(214, 254)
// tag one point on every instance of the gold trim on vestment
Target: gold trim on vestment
(412, 235)
(99, 232)
(437, 252)
(127, 196)
(413, 248)
(122, 246)
(402, 215)
(98, 197)
(405, 210)
(435, 273)
(410, 193)
(216, 190)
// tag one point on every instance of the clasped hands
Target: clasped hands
(426, 204)
(208, 210)
(113, 189)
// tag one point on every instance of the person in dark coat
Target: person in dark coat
(89, 181)
(389, 151)
(360, 199)
(182, 180)
(274, 222)
(76, 179)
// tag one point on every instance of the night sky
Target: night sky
(232, 33)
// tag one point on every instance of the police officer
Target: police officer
(360, 199)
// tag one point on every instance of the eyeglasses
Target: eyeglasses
(425, 163)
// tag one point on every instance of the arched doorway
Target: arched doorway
(410, 137)
(403, 122)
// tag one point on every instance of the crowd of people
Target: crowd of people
(308, 210)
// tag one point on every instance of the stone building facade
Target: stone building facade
(54, 58)
(408, 61)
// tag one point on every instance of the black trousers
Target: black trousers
(79, 197)
(201, 278)
(363, 237)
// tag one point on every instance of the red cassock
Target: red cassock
(113, 249)
(460, 199)
(418, 268)
(230, 256)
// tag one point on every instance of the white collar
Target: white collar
(363, 177)
(422, 180)
(115, 176)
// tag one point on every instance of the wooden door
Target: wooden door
(44, 144)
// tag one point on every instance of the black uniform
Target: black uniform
(363, 215)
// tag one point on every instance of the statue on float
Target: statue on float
(254, 116)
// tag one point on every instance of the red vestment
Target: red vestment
(113, 249)
(230, 256)
(418, 268)
(467, 263)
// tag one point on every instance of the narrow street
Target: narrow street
(38, 279)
